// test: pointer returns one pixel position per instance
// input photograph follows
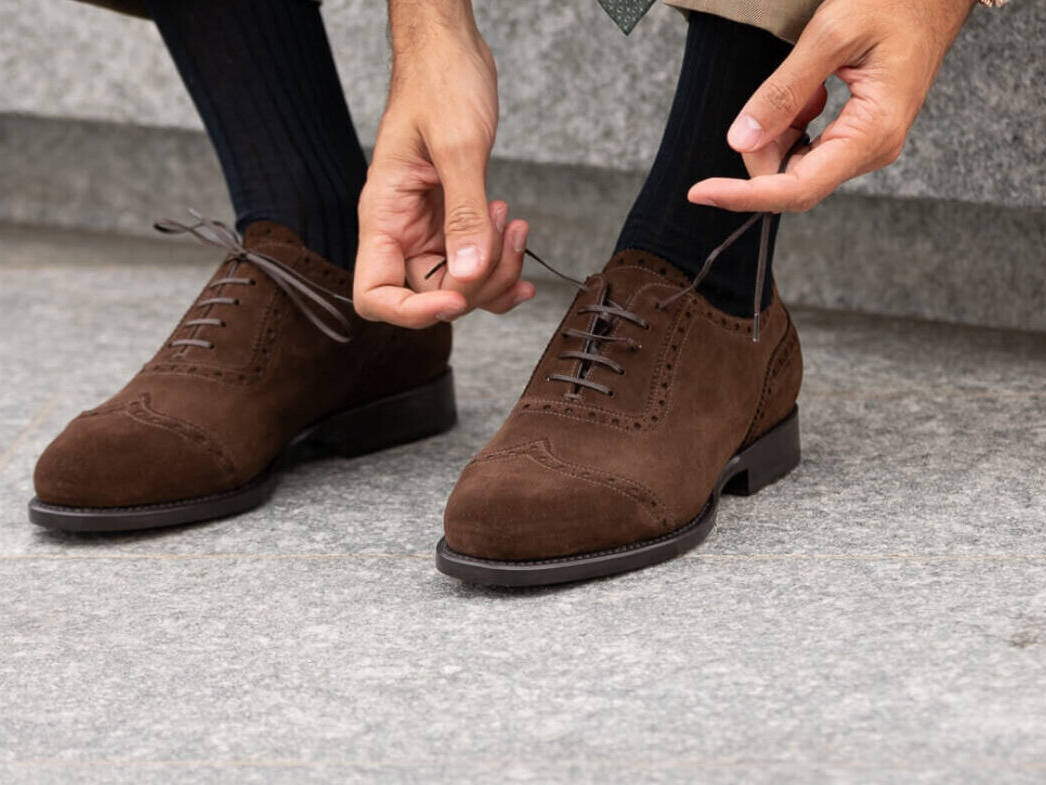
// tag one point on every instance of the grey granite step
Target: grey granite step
(875, 618)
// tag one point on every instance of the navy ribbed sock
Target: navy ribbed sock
(723, 65)
(263, 79)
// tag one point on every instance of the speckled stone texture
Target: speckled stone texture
(574, 89)
(877, 618)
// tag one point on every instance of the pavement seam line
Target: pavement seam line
(34, 422)
(425, 557)
(675, 763)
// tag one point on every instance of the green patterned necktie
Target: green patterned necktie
(626, 12)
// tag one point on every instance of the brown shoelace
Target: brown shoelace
(299, 289)
(608, 313)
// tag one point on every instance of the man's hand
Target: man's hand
(887, 52)
(425, 197)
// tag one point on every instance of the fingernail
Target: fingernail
(703, 200)
(519, 242)
(745, 132)
(499, 220)
(465, 262)
(448, 316)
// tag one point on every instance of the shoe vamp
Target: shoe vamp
(252, 421)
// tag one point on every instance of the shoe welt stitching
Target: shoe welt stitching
(697, 521)
(158, 506)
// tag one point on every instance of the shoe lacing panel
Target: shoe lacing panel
(305, 294)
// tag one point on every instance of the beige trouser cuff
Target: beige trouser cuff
(784, 18)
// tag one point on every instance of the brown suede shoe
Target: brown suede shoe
(647, 404)
(247, 381)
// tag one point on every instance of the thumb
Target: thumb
(767, 160)
(467, 226)
(775, 106)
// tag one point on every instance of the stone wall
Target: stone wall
(582, 111)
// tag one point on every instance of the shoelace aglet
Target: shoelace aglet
(434, 270)
(755, 329)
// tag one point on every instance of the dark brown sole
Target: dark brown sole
(767, 460)
(408, 416)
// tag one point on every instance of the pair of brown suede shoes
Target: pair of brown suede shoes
(647, 404)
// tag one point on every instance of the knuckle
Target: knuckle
(832, 30)
(893, 146)
(890, 156)
(462, 219)
(364, 308)
(805, 203)
(832, 34)
(498, 307)
(459, 145)
(366, 196)
(782, 97)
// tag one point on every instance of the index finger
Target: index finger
(379, 293)
(400, 306)
(816, 174)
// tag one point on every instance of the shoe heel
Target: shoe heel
(767, 460)
(401, 418)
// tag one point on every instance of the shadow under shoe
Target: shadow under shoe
(647, 403)
(245, 384)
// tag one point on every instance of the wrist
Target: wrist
(418, 26)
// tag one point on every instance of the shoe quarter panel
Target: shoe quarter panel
(683, 413)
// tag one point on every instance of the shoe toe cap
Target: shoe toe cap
(529, 506)
(113, 459)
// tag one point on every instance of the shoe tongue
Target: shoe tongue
(282, 244)
(265, 232)
(629, 269)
